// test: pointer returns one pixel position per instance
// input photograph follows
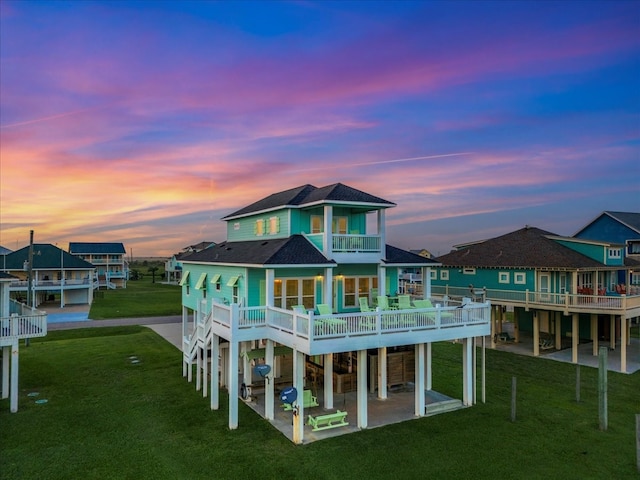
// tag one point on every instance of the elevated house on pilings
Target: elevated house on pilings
(563, 291)
(17, 322)
(296, 286)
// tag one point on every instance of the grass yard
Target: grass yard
(141, 298)
(109, 418)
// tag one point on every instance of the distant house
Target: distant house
(56, 273)
(173, 266)
(17, 322)
(561, 289)
(306, 281)
(112, 268)
(616, 227)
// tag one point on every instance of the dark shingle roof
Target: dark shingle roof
(308, 194)
(397, 255)
(7, 276)
(529, 247)
(86, 248)
(45, 256)
(294, 250)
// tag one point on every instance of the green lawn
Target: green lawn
(107, 418)
(141, 298)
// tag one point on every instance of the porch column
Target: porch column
(234, 353)
(328, 286)
(382, 373)
(574, 337)
(382, 232)
(198, 367)
(382, 280)
(612, 335)
(426, 283)
(536, 334)
(474, 345)
(269, 276)
(419, 380)
(362, 389)
(623, 344)
(215, 372)
(224, 367)
(247, 378)
(558, 330)
(269, 388)
(185, 315)
(428, 362)
(484, 370)
(467, 371)
(298, 383)
(516, 324)
(327, 245)
(328, 381)
(594, 333)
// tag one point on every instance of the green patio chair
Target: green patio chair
(383, 303)
(299, 309)
(364, 305)
(333, 324)
(404, 302)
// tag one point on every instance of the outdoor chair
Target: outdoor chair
(383, 303)
(404, 302)
(334, 325)
(364, 305)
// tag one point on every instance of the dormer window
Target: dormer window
(274, 225)
(258, 228)
(316, 224)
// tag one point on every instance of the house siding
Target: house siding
(607, 229)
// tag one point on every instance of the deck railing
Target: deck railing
(533, 299)
(18, 327)
(281, 324)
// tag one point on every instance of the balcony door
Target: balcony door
(544, 286)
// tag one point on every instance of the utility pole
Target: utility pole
(30, 300)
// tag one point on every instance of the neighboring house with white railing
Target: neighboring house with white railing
(109, 259)
(306, 273)
(56, 275)
(17, 322)
(173, 266)
(562, 290)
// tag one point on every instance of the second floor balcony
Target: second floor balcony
(321, 334)
(350, 247)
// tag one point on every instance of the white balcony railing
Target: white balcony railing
(17, 327)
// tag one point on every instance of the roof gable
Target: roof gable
(294, 250)
(307, 195)
(45, 256)
(528, 247)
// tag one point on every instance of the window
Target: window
(355, 287)
(216, 280)
(615, 253)
(258, 228)
(288, 292)
(469, 271)
(236, 226)
(635, 278)
(340, 225)
(274, 225)
(444, 274)
(520, 278)
(433, 274)
(316, 224)
(503, 277)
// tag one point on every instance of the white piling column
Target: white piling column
(623, 344)
(428, 362)
(13, 401)
(361, 376)
(382, 373)
(575, 335)
(205, 369)
(269, 388)
(198, 369)
(6, 355)
(298, 383)
(328, 381)
(419, 380)
(234, 353)
(215, 369)
(467, 371)
(475, 370)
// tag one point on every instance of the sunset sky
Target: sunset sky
(146, 122)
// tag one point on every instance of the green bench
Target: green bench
(308, 400)
(330, 420)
